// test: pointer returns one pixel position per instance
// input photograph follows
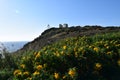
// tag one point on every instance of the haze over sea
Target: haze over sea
(12, 46)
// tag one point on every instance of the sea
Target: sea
(12, 46)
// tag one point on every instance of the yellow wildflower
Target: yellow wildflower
(39, 67)
(107, 47)
(26, 73)
(118, 62)
(56, 75)
(96, 49)
(117, 45)
(37, 55)
(17, 72)
(62, 52)
(101, 42)
(98, 66)
(64, 47)
(36, 73)
(22, 66)
(57, 54)
(76, 44)
(72, 72)
(29, 78)
(64, 77)
(44, 65)
(90, 46)
(111, 41)
(76, 54)
(108, 52)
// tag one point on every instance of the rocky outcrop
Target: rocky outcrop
(52, 35)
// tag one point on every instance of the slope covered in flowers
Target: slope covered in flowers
(81, 58)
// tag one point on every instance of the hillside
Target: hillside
(81, 58)
(52, 35)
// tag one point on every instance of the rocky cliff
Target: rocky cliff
(52, 35)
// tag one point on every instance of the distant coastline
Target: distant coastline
(12, 46)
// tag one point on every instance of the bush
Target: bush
(7, 66)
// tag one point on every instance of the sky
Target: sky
(24, 20)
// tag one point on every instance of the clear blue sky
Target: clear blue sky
(25, 19)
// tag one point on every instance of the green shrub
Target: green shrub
(7, 66)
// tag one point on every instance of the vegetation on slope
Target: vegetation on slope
(53, 35)
(81, 58)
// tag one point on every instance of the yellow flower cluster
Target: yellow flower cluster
(76, 54)
(17, 72)
(26, 73)
(107, 47)
(98, 66)
(90, 46)
(56, 75)
(109, 53)
(29, 78)
(62, 52)
(39, 67)
(72, 72)
(96, 49)
(64, 77)
(64, 47)
(37, 55)
(57, 54)
(36, 73)
(22, 66)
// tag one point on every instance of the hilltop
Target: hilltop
(53, 35)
